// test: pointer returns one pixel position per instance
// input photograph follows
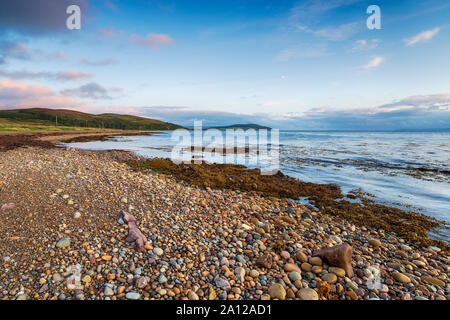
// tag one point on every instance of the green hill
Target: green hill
(70, 118)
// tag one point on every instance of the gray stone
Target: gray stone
(133, 296)
(63, 243)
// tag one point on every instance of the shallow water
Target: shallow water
(405, 169)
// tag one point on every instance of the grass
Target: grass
(7, 125)
(71, 118)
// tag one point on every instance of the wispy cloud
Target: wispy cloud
(73, 75)
(152, 40)
(110, 33)
(422, 37)
(100, 63)
(341, 32)
(62, 75)
(302, 52)
(59, 54)
(365, 45)
(374, 63)
(17, 50)
(90, 90)
(306, 16)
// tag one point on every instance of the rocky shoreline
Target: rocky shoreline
(63, 236)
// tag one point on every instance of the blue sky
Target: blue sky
(287, 64)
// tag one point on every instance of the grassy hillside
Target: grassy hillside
(17, 126)
(69, 118)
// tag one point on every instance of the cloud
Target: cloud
(37, 17)
(412, 113)
(306, 16)
(439, 101)
(340, 32)
(110, 33)
(62, 75)
(16, 50)
(366, 45)
(107, 33)
(375, 62)
(152, 40)
(103, 62)
(19, 50)
(22, 95)
(59, 54)
(311, 9)
(73, 76)
(166, 7)
(422, 37)
(90, 90)
(302, 52)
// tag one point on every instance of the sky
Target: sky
(312, 65)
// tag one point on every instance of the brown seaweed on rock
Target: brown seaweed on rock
(328, 198)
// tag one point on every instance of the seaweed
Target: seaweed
(328, 198)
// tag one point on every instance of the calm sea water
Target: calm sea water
(404, 169)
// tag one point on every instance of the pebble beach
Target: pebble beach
(63, 237)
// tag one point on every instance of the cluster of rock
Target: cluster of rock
(63, 239)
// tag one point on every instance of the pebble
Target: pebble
(331, 278)
(236, 243)
(63, 243)
(375, 243)
(133, 296)
(192, 295)
(307, 294)
(294, 276)
(276, 291)
(337, 271)
(108, 291)
(315, 261)
(401, 277)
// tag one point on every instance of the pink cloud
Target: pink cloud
(152, 40)
(73, 75)
(18, 95)
(107, 33)
(59, 54)
(23, 95)
(110, 33)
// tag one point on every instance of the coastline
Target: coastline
(212, 240)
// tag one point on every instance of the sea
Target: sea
(409, 170)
